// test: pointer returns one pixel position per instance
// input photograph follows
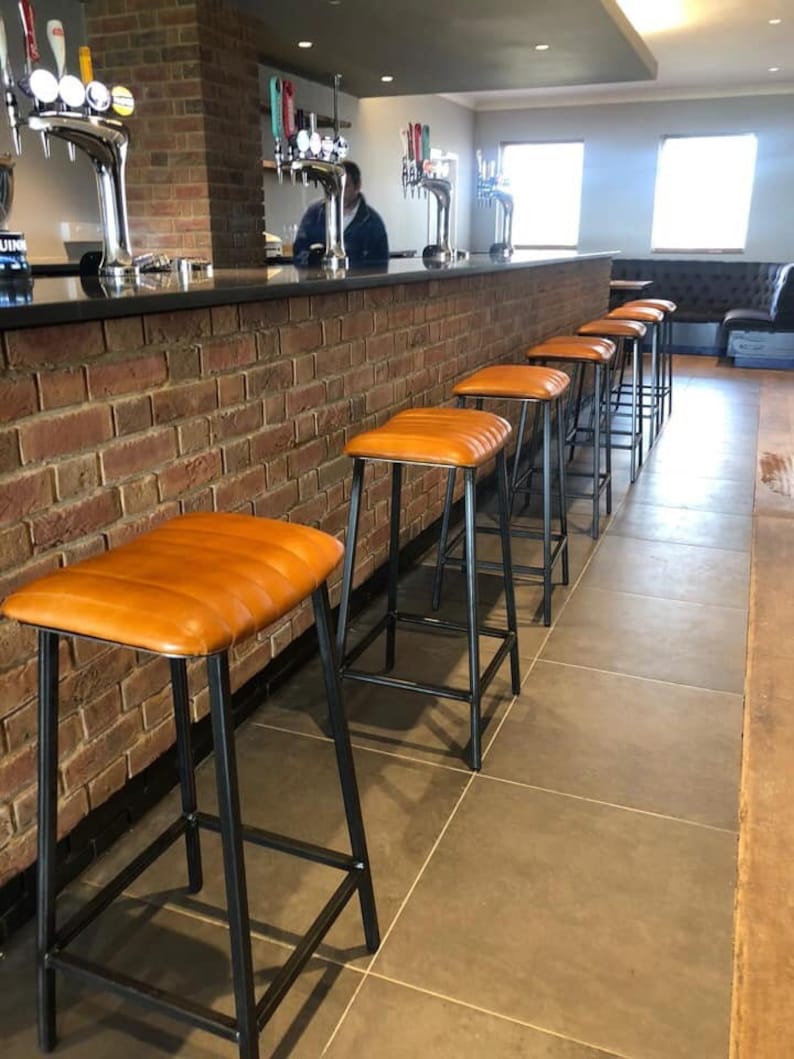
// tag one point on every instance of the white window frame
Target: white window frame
(692, 197)
(536, 199)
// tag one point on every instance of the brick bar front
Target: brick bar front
(112, 425)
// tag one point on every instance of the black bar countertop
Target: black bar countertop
(67, 299)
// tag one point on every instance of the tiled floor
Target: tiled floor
(573, 900)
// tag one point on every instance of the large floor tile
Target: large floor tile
(657, 747)
(394, 1022)
(288, 784)
(684, 526)
(180, 954)
(611, 926)
(700, 494)
(670, 571)
(683, 643)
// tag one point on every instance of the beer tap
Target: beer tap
(64, 108)
(331, 177)
(317, 158)
(493, 187)
(12, 108)
(420, 173)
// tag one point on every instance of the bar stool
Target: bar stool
(621, 332)
(599, 356)
(665, 347)
(544, 389)
(459, 438)
(652, 318)
(191, 588)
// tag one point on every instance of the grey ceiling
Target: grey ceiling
(431, 46)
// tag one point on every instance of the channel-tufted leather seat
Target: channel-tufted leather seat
(443, 437)
(191, 587)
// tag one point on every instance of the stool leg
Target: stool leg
(394, 564)
(344, 760)
(350, 559)
(596, 450)
(606, 371)
(578, 383)
(471, 614)
(507, 567)
(547, 513)
(47, 836)
(441, 558)
(633, 474)
(669, 355)
(561, 491)
(641, 391)
(654, 385)
(187, 779)
(522, 426)
(233, 862)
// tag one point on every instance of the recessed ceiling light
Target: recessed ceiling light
(774, 69)
(775, 21)
(387, 78)
(305, 44)
(542, 47)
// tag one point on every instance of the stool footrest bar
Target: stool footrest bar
(284, 844)
(149, 996)
(304, 950)
(439, 690)
(454, 626)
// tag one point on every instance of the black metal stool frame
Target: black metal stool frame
(602, 410)
(251, 1015)
(635, 444)
(555, 545)
(478, 681)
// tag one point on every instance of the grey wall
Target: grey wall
(621, 146)
(380, 155)
(48, 194)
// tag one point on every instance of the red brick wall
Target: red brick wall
(194, 173)
(107, 428)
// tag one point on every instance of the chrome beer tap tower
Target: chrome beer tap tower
(492, 187)
(77, 111)
(421, 173)
(301, 151)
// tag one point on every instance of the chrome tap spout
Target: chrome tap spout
(441, 189)
(504, 248)
(332, 178)
(105, 141)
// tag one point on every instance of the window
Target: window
(546, 182)
(703, 189)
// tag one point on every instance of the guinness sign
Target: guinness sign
(13, 254)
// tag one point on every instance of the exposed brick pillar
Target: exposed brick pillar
(194, 174)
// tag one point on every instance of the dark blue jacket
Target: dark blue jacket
(366, 242)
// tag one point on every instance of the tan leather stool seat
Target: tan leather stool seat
(606, 344)
(613, 327)
(653, 303)
(647, 315)
(442, 437)
(571, 351)
(191, 587)
(514, 380)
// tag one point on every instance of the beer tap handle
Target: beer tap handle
(32, 54)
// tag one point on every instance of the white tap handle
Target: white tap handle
(57, 41)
